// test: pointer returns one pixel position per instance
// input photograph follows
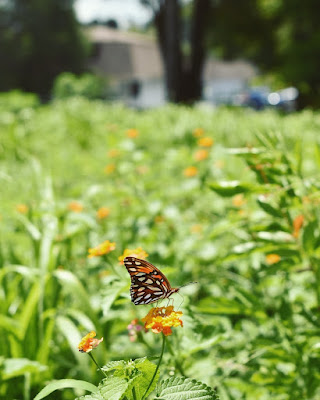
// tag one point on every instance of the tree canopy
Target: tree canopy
(38, 40)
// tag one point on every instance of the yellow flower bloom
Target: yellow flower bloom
(190, 172)
(162, 319)
(197, 228)
(238, 200)
(113, 153)
(108, 169)
(198, 132)
(103, 212)
(103, 248)
(22, 208)
(272, 258)
(201, 154)
(75, 206)
(138, 253)
(205, 142)
(132, 133)
(88, 342)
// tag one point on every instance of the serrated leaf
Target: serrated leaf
(146, 369)
(184, 389)
(114, 365)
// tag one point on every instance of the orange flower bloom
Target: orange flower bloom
(75, 206)
(113, 153)
(22, 208)
(132, 133)
(102, 249)
(238, 200)
(88, 342)
(205, 142)
(201, 154)
(297, 225)
(272, 258)
(198, 132)
(108, 169)
(189, 172)
(197, 228)
(138, 253)
(103, 212)
(162, 319)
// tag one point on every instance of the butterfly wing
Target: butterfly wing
(148, 283)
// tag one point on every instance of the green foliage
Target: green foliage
(245, 227)
(87, 85)
(281, 36)
(40, 40)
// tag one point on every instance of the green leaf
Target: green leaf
(146, 369)
(268, 208)
(231, 188)
(276, 237)
(184, 389)
(65, 383)
(113, 388)
(309, 235)
(14, 367)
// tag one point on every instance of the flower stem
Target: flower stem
(134, 393)
(97, 365)
(158, 365)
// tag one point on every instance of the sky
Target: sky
(125, 12)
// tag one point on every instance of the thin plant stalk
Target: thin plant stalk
(158, 365)
(93, 359)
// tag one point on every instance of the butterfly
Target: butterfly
(148, 283)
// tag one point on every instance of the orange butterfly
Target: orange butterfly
(148, 283)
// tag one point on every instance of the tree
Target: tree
(282, 37)
(182, 45)
(38, 40)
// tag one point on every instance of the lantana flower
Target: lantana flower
(133, 329)
(109, 169)
(22, 208)
(198, 132)
(75, 206)
(205, 142)
(138, 253)
(201, 154)
(162, 319)
(272, 258)
(132, 133)
(103, 248)
(103, 212)
(297, 225)
(88, 342)
(189, 172)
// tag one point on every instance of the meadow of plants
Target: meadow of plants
(228, 198)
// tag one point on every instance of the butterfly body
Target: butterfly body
(148, 283)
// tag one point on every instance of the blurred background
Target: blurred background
(227, 92)
(255, 53)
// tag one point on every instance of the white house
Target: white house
(132, 62)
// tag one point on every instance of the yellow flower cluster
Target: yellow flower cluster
(103, 248)
(162, 319)
(138, 253)
(88, 342)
